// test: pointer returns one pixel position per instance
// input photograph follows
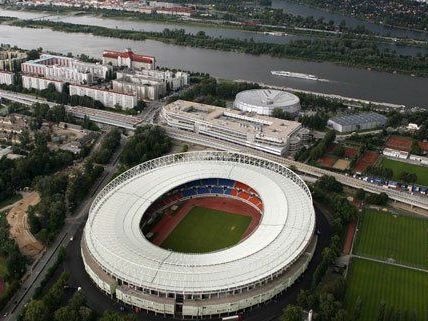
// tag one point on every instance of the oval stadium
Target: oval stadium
(264, 101)
(200, 234)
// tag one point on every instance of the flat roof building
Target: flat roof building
(356, 122)
(260, 132)
(65, 69)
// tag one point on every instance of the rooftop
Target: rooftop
(114, 239)
(357, 119)
(267, 98)
(275, 129)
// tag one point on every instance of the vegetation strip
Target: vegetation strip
(346, 50)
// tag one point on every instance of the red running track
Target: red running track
(225, 204)
(347, 246)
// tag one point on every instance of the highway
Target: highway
(150, 115)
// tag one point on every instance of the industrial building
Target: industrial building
(264, 101)
(268, 134)
(126, 265)
(108, 98)
(128, 59)
(149, 84)
(357, 122)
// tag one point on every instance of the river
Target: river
(351, 82)
(294, 8)
(153, 26)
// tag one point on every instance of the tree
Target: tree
(360, 194)
(36, 310)
(292, 313)
(33, 54)
(378, 199)
(329, 183)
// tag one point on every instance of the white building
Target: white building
(421, 159)
(108, 98)
(264, 101)
(149, 84)
(268, 134)
(128, 59)
(9, 59)
(356, 122)
(39, 83)
(66, 69)
(395, 153)
(174, 80)
(6, 78)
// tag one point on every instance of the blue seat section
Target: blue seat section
(227, 191)
(217, 190)
(203, 190)
(189, 192)
(209, 182)
(226, 182)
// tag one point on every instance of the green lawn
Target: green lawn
(205, 230)
(398, 167)
(402, 238)
(403, 289)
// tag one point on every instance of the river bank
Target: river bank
(344, 81)
(349, 52)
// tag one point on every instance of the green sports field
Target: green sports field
(401, 288)
(205, 230)
(398, 167)
(403, 238)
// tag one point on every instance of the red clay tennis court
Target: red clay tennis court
(327, 161)
(368, 159)
(399, 143)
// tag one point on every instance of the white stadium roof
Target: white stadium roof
(115, 241)
(264, 101)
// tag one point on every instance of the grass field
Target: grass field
(402, 238)
(403, 289)
(398, 167)
(205, 230)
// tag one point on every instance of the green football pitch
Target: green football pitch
(205, 230)
(399, 288)
(402, 238)
(398, 167)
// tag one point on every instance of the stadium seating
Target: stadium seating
(207, 187)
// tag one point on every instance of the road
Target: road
(404, 197)
(29, 286)
(150, 115)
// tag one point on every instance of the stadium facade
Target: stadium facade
(264, 101)
(127, 266)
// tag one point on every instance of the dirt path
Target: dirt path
(19, 228)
